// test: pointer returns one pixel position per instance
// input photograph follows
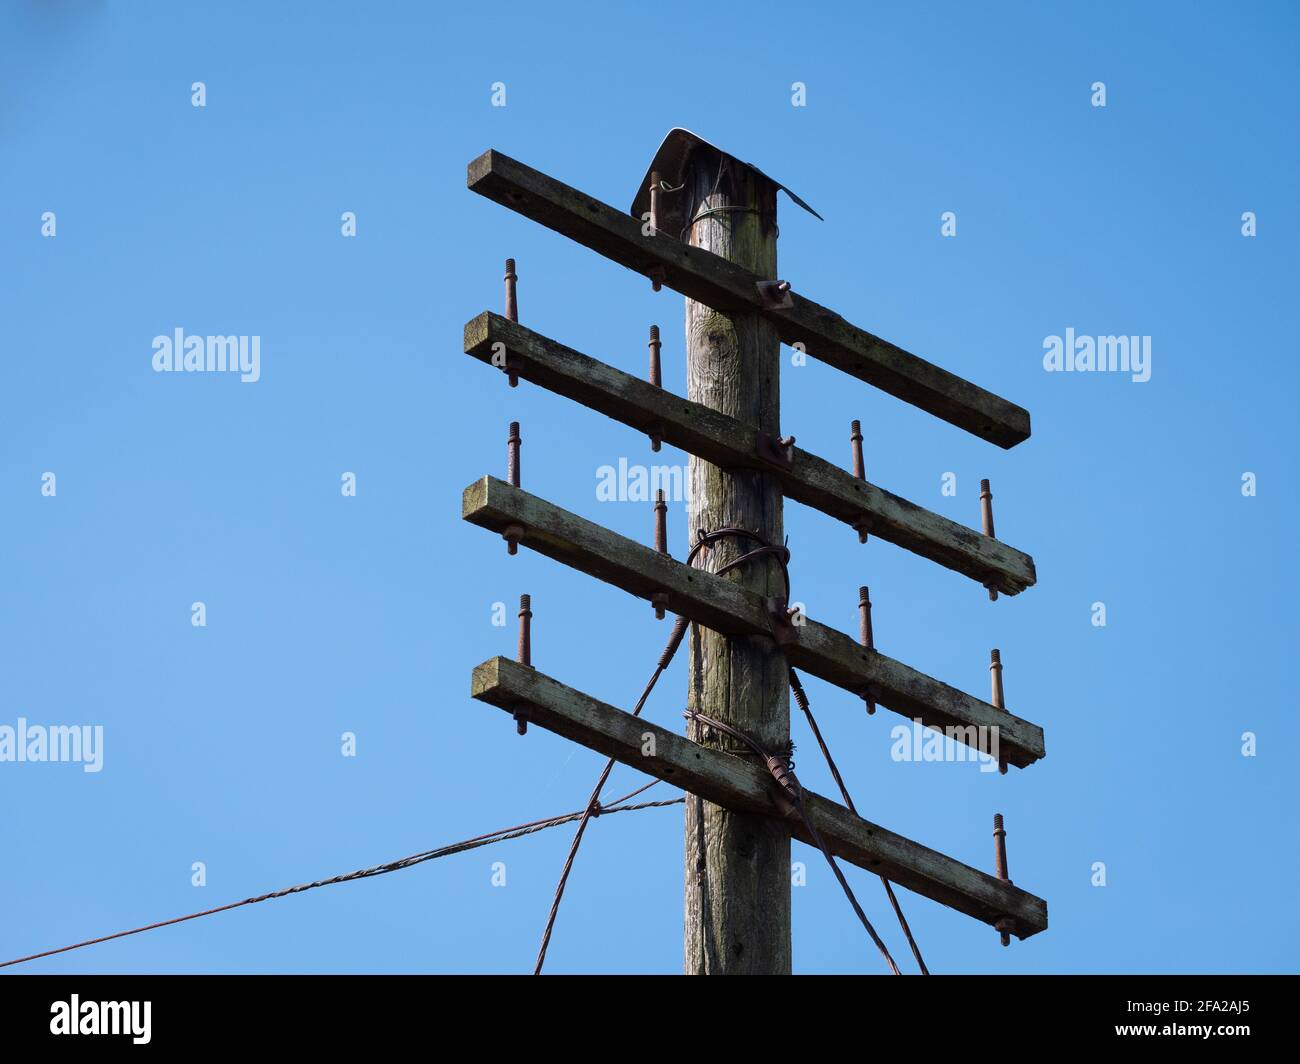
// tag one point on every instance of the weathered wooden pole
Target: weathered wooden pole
(737, 865)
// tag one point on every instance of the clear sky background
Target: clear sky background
(328, 614)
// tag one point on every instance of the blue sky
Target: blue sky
(328, 614)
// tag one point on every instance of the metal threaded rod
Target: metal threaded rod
(986, 513)
(999, 699)
(512, 454)
(513, 441)
(656, 378)
(512, 296)
(525, 630)
(865, 634)
(512, 309)
(1000, 865)
(859, 471)
(659, 599)
(525, 655)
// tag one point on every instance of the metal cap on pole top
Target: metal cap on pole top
(665, 208)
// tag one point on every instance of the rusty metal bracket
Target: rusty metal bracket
(775, 294)
(782, 615)
(779, 451)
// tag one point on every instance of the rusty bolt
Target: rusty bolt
(512, 454)
(656, 378)
(660, 598)
(986, 508)
(1005, 925)
(1000, 847)
(859, 471)
(525, 655)
(661, 522)
(865, 635)
(999, 700)
(512, 311)
(986, 512)
(525, 630)
(512, 299)
(995, 667)
(513, 532)
(512, 535)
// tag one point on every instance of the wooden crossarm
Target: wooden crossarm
(722, 605)
(729, 443)
(725, 286)
(736, 784)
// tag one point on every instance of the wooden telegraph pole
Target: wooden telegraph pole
(704, 224)
(737, 864)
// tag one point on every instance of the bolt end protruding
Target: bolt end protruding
(512, 299)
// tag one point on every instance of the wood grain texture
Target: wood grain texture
(701, 275)
(732, 444)
(728, 608)
(735, 783)
(737, 869)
